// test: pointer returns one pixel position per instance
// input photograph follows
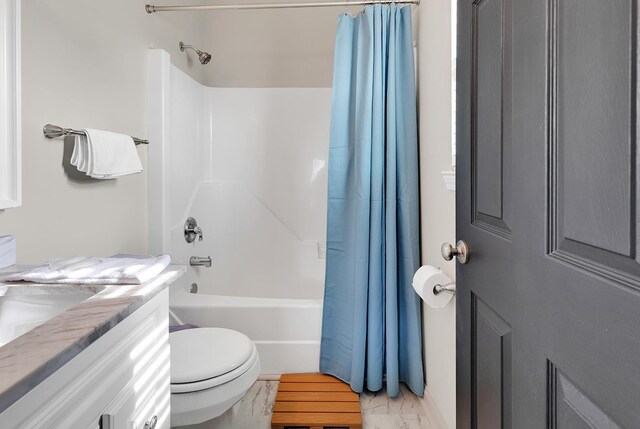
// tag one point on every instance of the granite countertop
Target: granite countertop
(30, 358)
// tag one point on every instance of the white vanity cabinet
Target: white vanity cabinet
(120, 381)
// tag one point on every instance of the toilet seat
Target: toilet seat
(203, 358)
(216, 381)
(211, 369)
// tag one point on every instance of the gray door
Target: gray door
(548, 306)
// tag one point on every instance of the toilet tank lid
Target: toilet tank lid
(204, 353)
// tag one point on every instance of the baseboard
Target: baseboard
(269, 377)
(437, 421)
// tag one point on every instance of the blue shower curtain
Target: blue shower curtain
(371, 319)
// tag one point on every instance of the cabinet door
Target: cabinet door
(128, 365)
(144, 403)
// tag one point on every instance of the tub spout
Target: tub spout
(200, 261)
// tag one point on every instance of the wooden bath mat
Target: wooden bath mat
(315, 401)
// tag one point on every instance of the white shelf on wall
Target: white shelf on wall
(449, 177)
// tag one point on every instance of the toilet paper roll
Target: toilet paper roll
(424, 281)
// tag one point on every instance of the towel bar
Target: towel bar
(52, 131)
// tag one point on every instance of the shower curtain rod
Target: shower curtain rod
(152, 8)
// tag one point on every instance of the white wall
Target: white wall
(272, 48)
(84, 65)
(437, 204)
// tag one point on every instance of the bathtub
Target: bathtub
(285, 331)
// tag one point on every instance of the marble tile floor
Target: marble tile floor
(379, 411)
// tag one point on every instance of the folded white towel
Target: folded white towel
(119, 269)
(105, 155)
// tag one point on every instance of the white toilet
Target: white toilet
(211, 369)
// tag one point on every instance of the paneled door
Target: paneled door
(548, 304)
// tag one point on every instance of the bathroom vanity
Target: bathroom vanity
(102, 362)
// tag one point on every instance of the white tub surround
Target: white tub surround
(41, 353)
(249, 164)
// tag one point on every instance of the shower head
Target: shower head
(203, 57)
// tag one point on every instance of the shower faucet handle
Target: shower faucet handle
(192, 230)
(198, 231)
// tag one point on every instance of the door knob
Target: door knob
(461, 251)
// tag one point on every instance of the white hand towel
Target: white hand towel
(80, 155)
(105, 155)
(119, 269)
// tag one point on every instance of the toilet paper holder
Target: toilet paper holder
(448, 288)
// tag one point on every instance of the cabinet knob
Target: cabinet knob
(151, 424)
(107, 421)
